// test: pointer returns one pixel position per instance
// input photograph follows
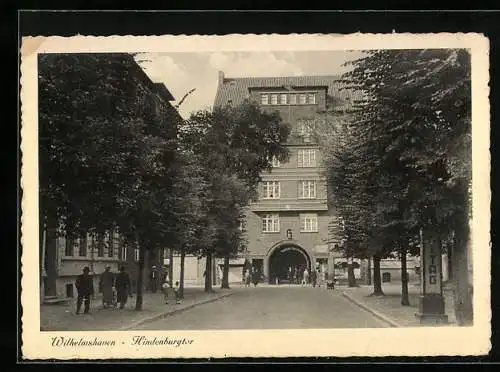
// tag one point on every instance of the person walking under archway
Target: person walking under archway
(314, 277)
(305, 277)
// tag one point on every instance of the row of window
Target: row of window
(271, 222)
(272, 189)
(107, 245)
(288, 98)
(306, 158)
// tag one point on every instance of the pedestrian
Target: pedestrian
(322, 277)
(177, 293)
(255, 277)
(305, 277)
(164, 287)
(248, 278)
(85, 287)
(153, 279)
(297, 276)
(314, 277)
(122, 285)
(106, 285)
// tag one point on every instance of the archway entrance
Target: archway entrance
(285, 257)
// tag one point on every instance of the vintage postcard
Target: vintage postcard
(255, 196)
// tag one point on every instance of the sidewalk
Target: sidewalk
(62, 317)
(389, 308)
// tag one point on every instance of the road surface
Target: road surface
(271, 307)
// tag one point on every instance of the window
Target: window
(123, 253)
(136, 254)
(307, 189)
(109, 244)
(275, 162)
(293, 99)
(283, 99)
(69, 249)
(116, 242)
(309, 223)
(99, 242)
(271, 190)
(306, 126)
(271, 223)
(302, 99)
(311, 98)
(274, 99)
(82, 246)
(264, 99)
(306, 158)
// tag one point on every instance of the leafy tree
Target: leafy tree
(107, 142)
(236, 145)
(415, 120)
(190, 210)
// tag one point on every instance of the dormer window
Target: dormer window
(281, 98)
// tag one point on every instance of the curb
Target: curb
(375, 313)
(172, 312)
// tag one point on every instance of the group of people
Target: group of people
(304, 277)
(115, 289)
(251, 276)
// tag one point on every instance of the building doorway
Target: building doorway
(282, 259)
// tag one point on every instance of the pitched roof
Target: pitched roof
(238, 89)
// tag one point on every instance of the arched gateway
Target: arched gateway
(285, 256)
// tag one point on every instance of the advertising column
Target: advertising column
(431, 301)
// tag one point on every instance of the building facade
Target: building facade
(288, 226)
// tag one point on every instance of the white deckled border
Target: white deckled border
(270, 343)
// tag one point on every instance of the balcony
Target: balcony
(291, 204)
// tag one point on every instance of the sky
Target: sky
(181, 72)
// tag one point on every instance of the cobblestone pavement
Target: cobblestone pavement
(390, 304)
(62, 317)
(272, 307)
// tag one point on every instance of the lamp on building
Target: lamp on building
(289, 233)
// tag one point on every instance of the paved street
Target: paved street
(269, 307)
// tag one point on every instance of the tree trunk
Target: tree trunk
(51, 261)
(405, 300)
(462, 287)
(351, 279)
(225, 274)
(140, 278)
(377, 280)
(41, 277)
(171, 267)
(369, 272)
(208, 273)
(181, 274)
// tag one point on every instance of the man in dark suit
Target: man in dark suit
(122, 285)
(85, 287)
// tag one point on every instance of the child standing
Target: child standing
(164, 288)
(177, 293)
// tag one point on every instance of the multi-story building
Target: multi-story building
(288, 226)
(62, 260)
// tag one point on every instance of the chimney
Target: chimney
(221, 78)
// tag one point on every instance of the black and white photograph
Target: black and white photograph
(307, 195)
